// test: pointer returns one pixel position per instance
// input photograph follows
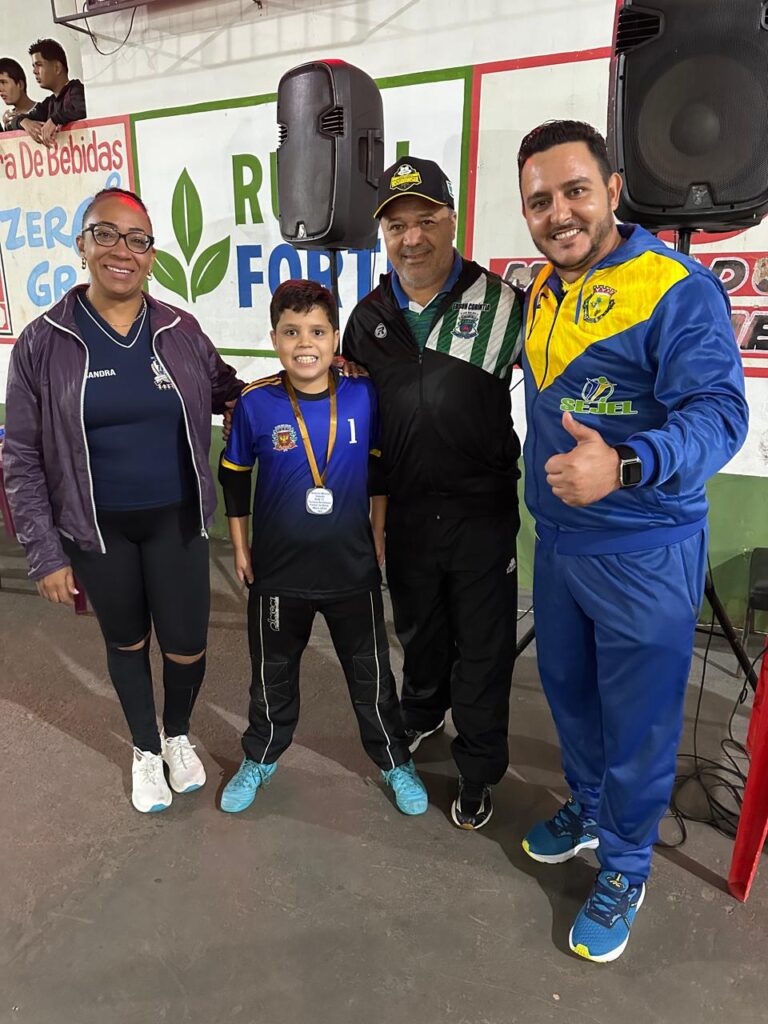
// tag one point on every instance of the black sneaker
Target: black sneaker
(414, 736)
(473, 806)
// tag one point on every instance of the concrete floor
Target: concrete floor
(321, 903)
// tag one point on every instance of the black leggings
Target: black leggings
(154, 573)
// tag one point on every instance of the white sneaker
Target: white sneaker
(150, 790)
(185, 769)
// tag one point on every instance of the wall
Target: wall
(461, 82)
(24, 21)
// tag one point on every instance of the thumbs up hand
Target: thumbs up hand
(588, 472)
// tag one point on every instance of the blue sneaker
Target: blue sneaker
(563, 836)
(240, 791)
(410, 793)
(601, 931)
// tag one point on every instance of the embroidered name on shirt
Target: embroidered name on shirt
(101, 373)
(483, 307)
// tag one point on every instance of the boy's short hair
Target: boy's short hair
(49, 49)
(556, 133)
(14, 70)
(301, 296)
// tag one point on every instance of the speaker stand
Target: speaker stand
(683, 245)
(333, 256)
(524, 640)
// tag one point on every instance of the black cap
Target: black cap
(412, 176)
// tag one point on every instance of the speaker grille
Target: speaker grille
(332, 121)
(694, 105)
(636, 26)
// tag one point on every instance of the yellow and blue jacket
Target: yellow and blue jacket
(641, 349)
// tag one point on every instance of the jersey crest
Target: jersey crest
(283, 437)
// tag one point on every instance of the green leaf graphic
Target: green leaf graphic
(187, 215)
(170, 273)
(210, 268)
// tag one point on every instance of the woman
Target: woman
(108, 423)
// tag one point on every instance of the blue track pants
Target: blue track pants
(614, 640)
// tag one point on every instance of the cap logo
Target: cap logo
(449, 186)
(405, 177)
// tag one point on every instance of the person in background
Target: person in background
(439, 337)
(108, 426)
(313, 435)
(13, 92)
(66, 102)
(634, 399)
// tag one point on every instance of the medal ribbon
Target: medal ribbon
(316, 475)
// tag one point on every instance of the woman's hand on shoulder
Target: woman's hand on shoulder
(226, 429)
(58, 587)
(349, 369)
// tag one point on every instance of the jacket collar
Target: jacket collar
(63, 312)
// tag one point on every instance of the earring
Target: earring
(149, 276)
(83, 263)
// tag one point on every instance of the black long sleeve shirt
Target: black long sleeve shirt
(68, 106)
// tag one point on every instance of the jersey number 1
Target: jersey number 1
(352, 435)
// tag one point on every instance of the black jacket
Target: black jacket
(68, 106)
(447, 441)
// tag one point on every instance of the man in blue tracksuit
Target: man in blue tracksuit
(634, 398)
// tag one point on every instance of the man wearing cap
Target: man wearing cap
(439, 336)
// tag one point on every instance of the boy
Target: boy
(310, 432)
(13, 92)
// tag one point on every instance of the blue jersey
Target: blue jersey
(296, 553)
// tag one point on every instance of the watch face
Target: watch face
(631, 473)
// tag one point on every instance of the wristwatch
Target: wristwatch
(630, 466)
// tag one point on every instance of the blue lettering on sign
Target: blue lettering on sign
(247, 277)
(42, 290)
(285, 262)
(49, 229)
(284, 253)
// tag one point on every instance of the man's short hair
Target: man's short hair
(14, 70)
(108, 193)
(49, 49)
(556, 133)
(301, 297)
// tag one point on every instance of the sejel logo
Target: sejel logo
(596, 400)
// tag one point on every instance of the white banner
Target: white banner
(43, 195)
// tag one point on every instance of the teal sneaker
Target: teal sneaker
(563, 836)
(410, 792)
(601, 930)
(240, 791)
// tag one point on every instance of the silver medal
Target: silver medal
(319, 501)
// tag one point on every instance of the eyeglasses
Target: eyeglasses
(108, 236)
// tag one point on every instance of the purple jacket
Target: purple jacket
(45, 455)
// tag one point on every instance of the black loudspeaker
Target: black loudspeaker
(330, 156)
(687, 114)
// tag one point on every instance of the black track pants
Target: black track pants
(279, 629)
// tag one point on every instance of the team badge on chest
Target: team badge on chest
(283, 437)
(466, 324)
(599, 303)
(161, 379)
